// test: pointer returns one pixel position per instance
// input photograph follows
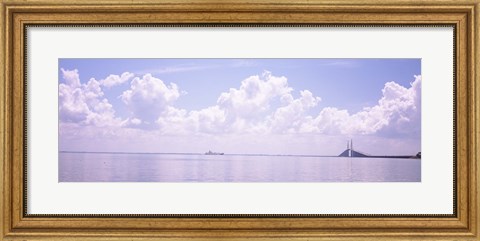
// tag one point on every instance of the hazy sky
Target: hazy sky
(271, 106)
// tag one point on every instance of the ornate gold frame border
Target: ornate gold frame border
(17, 15)
(25, 126)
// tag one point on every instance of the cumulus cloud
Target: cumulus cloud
(174, 121)
(406, 119)
(209, 120)
(239, 110)
(261, 105)
(291, 117)
(254, 96)
(397, 112)
(149, 97)
(260, 109)
(245, 109)
(136, 121)
(113, 80)
(266, 105)
(83, 103)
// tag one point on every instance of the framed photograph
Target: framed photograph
(124, 128)
(162, 120)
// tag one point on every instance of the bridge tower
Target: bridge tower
(349, 152)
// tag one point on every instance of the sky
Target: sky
(240, 106)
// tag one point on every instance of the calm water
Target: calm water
(110, 167)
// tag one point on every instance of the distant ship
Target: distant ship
(213, 153)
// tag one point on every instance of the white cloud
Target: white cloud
(263, 107)
(406, 119)
(136, 121)
(113, 80)
(260, 105)
(71, 77)
(208, 120)
(148, 97)
(248, 109)
(291, 117)
(174, 121)
(84, 103)
(254, 96)
(397, 112)
(238, 110)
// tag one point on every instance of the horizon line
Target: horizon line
(192, 153)
(227, 154)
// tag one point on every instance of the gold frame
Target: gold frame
(16, 225)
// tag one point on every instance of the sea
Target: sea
(179, 168)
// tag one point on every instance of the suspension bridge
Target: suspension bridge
(350, 152)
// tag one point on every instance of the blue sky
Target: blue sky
(343, 96)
